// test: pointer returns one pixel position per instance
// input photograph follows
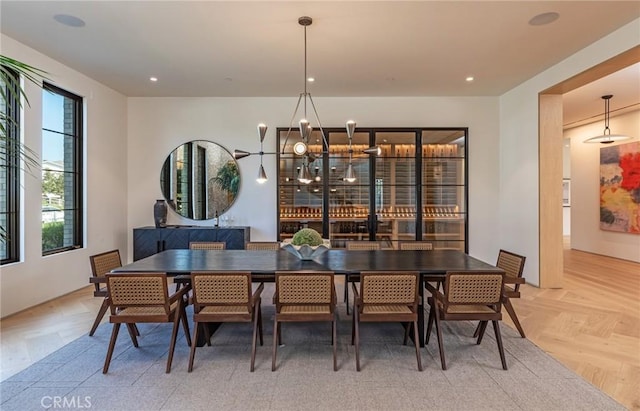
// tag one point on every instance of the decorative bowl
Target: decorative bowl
(305, 252)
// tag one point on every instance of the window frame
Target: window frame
(12, 164)
(78, 170)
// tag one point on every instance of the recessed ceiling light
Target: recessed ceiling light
(311, 79)
(154, 79)
(469, 79)
(69, 20)
(544, 18)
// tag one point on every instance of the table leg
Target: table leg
(202, 339)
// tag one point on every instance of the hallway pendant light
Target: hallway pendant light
(607, 137)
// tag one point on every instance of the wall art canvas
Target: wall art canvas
(620, 188)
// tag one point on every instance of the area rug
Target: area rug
(71, 378)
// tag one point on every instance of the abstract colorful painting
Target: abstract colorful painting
(620, 188)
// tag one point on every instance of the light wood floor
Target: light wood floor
(592, 325)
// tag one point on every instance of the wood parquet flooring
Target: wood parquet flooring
(592, 325)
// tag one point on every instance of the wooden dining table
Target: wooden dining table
(432, 265)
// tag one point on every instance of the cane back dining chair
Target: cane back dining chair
(352, 278)
(416, 245)
(306, 296)
(102, 264)
(513, 266)
(220, 297)
(207, 245)
(262, 245)
(386, 297)
(468, 295)
(144, 298)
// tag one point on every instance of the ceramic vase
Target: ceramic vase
(160, 213)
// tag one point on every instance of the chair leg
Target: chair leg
(514, 317)
(417, 343)
(279, 334)
(481, 329)
(254, 337)
(276, 334)
(260, 323)
(429, 326)
(135, 327)
(496, 329)
(192, 351)
(112, 344)
(476, 333)
(334, 335)
(103, 310)
(174, 337)
(436, 315)
(185, 327)
(356, 322)
(132, 334)
(353, 327)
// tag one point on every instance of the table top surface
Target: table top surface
(340, 261)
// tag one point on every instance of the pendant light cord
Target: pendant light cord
(606, 116)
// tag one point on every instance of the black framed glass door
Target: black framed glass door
(416, 189)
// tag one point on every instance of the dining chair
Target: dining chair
(468, 295)
(144, 298)
(180, 280)
(102, 264)
(207, 245)
(305, 296)
(222, 297)
(416, 245)
(386, 297)
(262, 245)
(513, 266)
(351, 278)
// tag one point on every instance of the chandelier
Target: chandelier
(301, 148)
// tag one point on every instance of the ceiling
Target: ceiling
(355, 49)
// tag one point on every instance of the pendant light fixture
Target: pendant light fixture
(238, 154)
(301, 148)
(350, 175)
(607, 137)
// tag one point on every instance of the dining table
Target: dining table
(263, 264)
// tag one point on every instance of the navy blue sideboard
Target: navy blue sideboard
(150, 240)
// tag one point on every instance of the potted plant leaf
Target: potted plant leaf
(13, 153)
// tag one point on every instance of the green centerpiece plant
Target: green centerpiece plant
(306, 244)
(307, 236)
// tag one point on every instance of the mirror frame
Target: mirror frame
(214, 184)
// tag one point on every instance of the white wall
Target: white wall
(586, 234)
(36, 278)
(157, 125)
(518, 195)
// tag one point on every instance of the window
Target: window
(9, 167)
(61, 170)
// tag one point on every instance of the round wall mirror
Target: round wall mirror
(200, 178)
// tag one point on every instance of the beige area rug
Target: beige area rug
(72, 377)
